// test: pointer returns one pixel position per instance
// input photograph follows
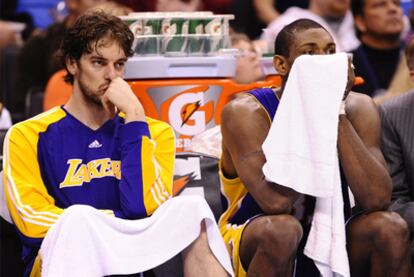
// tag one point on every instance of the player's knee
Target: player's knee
(282, 233)
(79, 212)
(391, 234)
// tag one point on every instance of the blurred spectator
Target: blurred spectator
(177, 5)
(113, 8)
(37, 60)
(8, 13)
(254, 15)
(8, 35)
(216, 6)
(333, 15)
(139, 6)
(379, 25)
(248, 69)
(401, 83)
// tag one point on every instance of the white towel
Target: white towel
(301, 152)
(86, 242)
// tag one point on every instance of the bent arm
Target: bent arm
(147, 163)
(244, 127)
(360, 155)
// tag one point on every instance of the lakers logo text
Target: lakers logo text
(78, 173)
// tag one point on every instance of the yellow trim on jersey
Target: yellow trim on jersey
(234, 191)
(264, 109)
(32, 209)
(157, 174)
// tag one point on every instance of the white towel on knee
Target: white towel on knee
(86, 242)
(301, 152)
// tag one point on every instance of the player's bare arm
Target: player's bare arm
(244, 128)
(360, 155)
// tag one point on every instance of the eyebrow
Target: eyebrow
(98, 57)
(315, 44)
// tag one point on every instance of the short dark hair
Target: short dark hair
(88, 30)
(357, 8)
(287, 35)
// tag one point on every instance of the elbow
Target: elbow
(280, 206)
(380, 198)
(380, 201)
(378, 204)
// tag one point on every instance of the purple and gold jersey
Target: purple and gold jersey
(239, 206)
(53, 161)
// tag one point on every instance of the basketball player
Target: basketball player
(261, 234)
(85, 152)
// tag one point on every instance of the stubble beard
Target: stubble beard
(89, 96)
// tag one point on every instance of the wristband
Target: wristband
(342, 108)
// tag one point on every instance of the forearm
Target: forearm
(135, 113)
(365, 174)
(272, 198)
(146, 167)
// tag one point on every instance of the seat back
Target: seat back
(11, 263)
(8, 73)
(34, 102)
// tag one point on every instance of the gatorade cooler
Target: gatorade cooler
(187, 92)
(180, 72)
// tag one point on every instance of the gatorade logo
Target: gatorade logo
(189, 109)
(185, 113)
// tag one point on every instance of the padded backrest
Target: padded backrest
(34, 102)
(8, 71)
(197, 173)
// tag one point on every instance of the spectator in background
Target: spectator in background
(379, 25)
(397, 142)
(402, 81)
(37, 61)
(8, 36)
(333, 15)
(216, 6)
(251, 16)
(248, 69)
(177, 5)
(8, 13)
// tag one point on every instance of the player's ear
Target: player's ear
(360, 23)
(71, 65)
(281, 65)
